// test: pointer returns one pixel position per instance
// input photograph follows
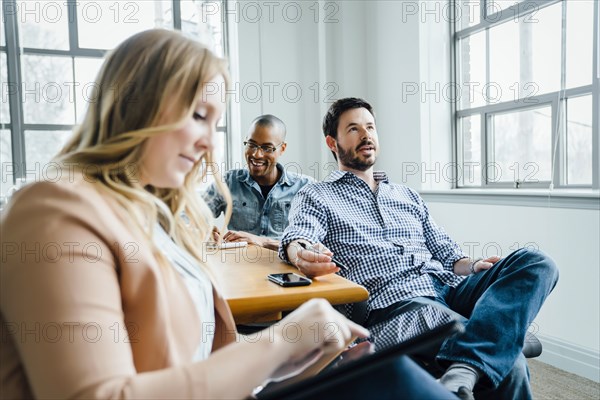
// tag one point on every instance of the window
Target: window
(50, 54)
(526, 109)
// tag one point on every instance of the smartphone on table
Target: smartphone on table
(289, 279)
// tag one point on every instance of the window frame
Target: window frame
(557, 100)
(14, 51)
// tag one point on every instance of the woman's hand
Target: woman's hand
(216, 234)
(315, 327)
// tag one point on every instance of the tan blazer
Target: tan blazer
(86, 310)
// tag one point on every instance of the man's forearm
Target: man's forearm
(463, 266)
(271, 244)
(467, 266)
(291, 250)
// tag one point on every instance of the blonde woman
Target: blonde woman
(103, 290)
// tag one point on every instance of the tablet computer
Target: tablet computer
(330, 375)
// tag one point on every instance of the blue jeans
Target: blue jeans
(499, 305)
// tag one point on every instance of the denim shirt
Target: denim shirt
(253, 213)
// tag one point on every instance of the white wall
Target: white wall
(279, 53)
(352, 61)
(569, 322)
(379, 50)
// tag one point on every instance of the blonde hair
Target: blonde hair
(145, 75)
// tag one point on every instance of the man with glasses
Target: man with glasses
(263, 193)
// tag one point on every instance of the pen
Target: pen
(333, 260)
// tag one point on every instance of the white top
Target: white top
(198, 285)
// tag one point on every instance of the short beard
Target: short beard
(354, 162)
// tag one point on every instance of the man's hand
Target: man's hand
(485, 264)
(463, 266)
(240, 236)
(315, 262)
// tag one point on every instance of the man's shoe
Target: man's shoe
(464, 394)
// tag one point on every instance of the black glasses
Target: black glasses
(266, 148)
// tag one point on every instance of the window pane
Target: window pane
(470, 127)
(4, 90)
(48, 90)
(40, 148)
(521, 146)
(472, 70)
(580, 47)
(219, 150)
(117, 20)
(86, 92)
(222, 121)
(6, 180)
(579, 140)
(202, 20)
(43, 24)
(504, 6)
(525, 56)
(468, 14)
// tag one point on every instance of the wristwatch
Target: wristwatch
(472, 265)
(302, 243)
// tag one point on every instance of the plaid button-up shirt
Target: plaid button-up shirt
(386, 238)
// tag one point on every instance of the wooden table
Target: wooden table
(242, 277)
